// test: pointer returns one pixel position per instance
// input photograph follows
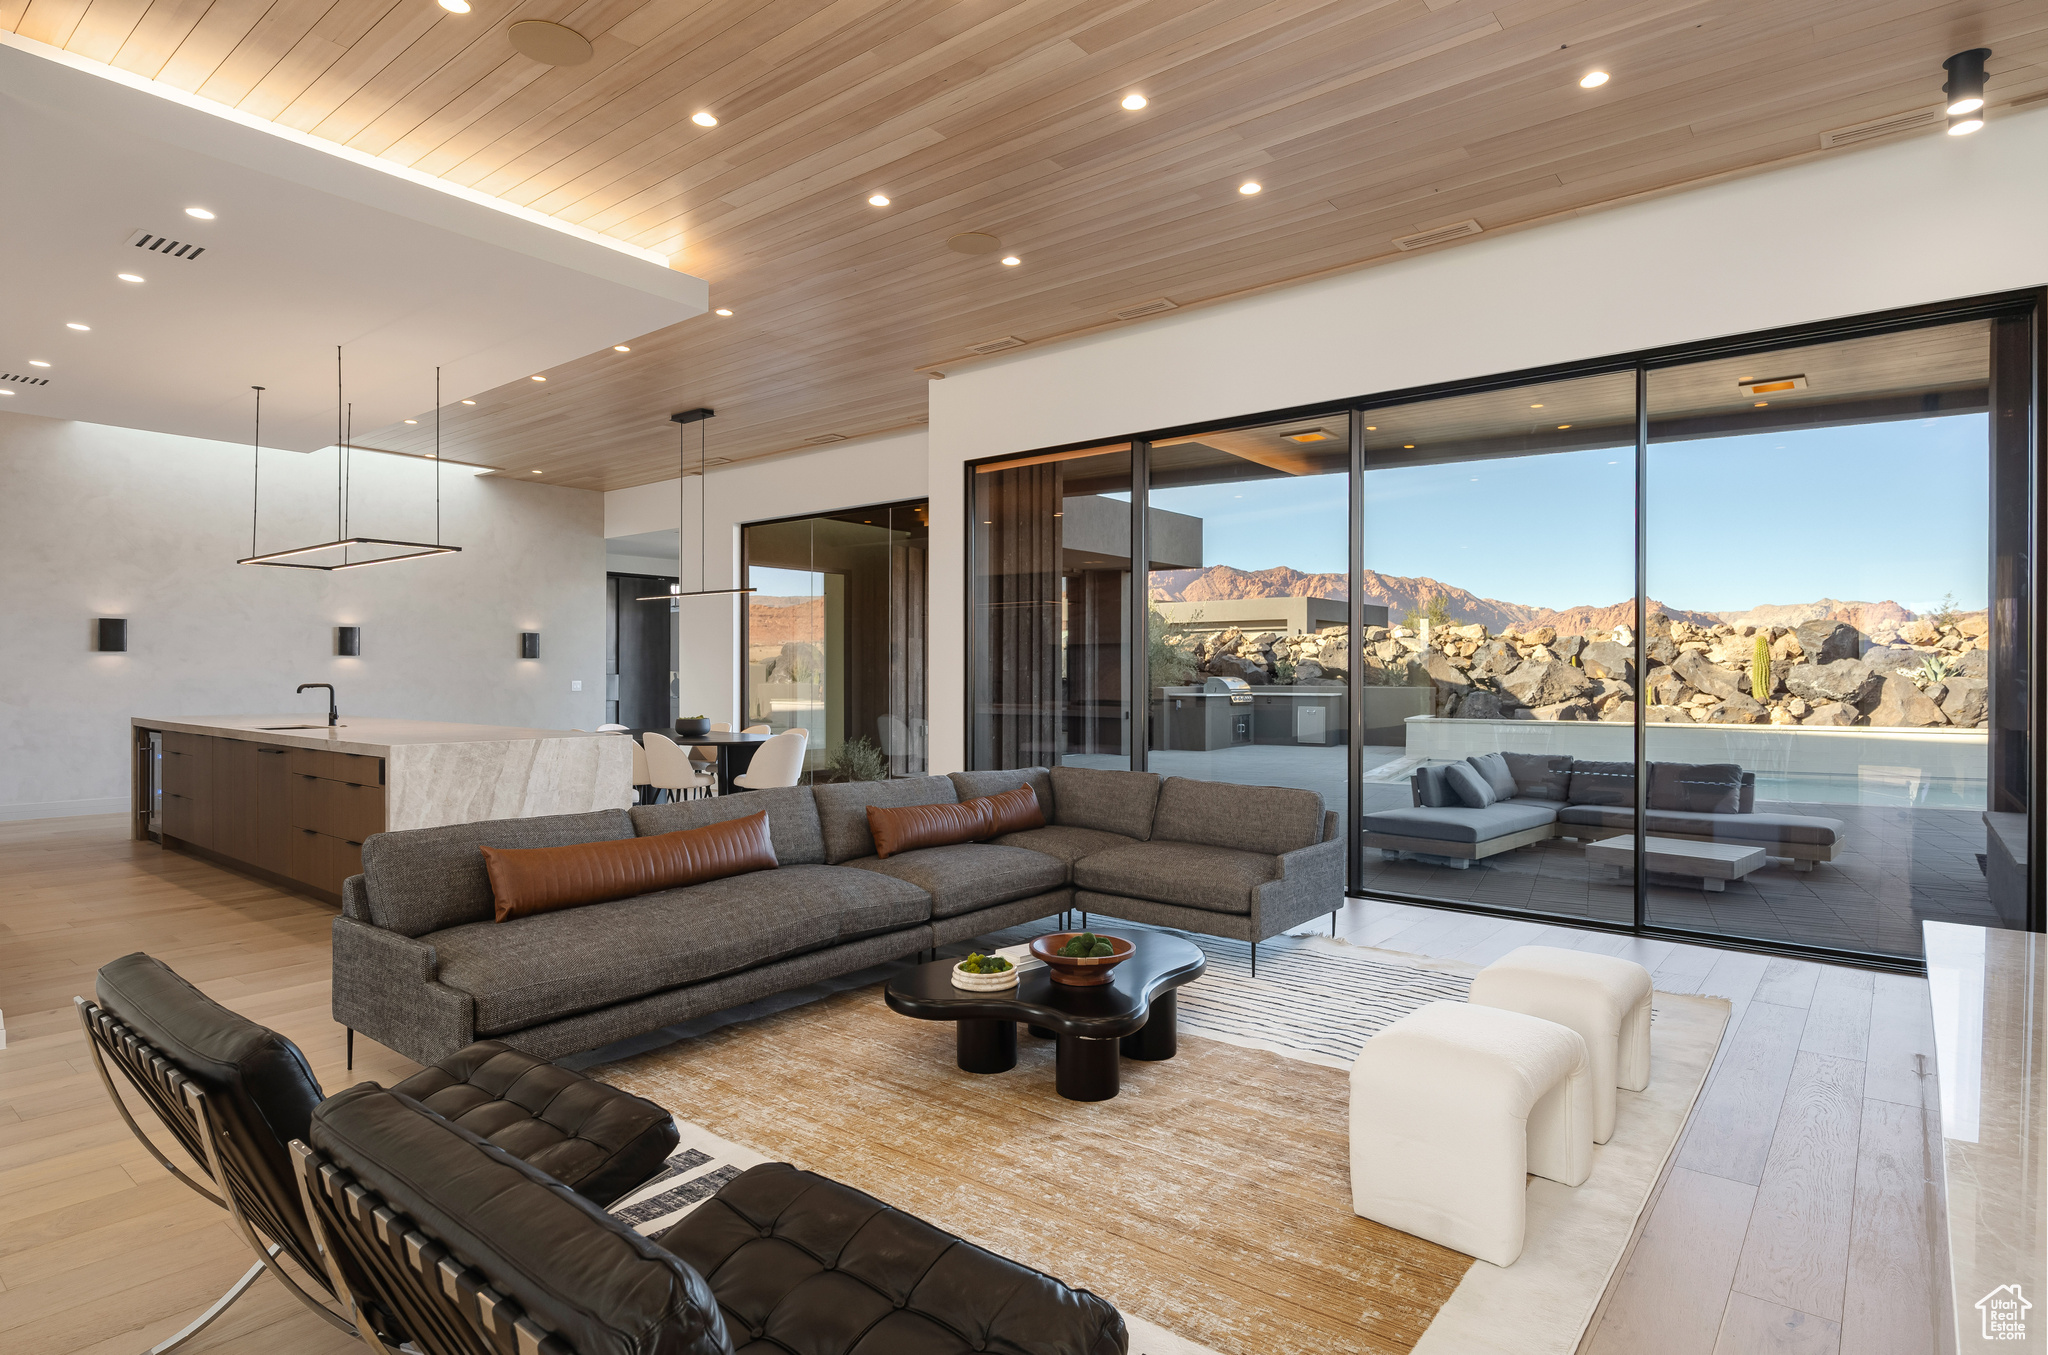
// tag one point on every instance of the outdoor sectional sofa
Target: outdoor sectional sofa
(1559, 796)
(420, 965)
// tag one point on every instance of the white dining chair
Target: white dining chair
(704, 754)
(777, 762)
(758, 729)
(639, 765)
(669, 769)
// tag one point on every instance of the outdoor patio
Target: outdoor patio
(1900, 865)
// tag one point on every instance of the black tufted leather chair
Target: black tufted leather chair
(235, 1093)
(477, 1253)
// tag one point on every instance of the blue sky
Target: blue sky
(1881, 511)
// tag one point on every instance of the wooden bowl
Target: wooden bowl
(1080, 971)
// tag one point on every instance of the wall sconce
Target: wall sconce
(348, 641)
(110, 635)
(529, 644)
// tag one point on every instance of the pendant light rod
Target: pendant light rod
(255, 468)
(685, 419)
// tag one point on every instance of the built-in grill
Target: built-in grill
(1238, 690)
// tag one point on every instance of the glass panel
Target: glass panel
(1500, 581)
(1248, 622)
(1821, 665)
(1051, 589)
(835, 637)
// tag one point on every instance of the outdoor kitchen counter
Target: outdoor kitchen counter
(290, 799)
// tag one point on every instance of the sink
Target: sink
(266, 729)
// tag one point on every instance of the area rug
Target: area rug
(1210, 1201)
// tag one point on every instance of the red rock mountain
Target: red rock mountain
(1398, 595)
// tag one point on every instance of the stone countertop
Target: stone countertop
(1991, 1052)
(368, 736)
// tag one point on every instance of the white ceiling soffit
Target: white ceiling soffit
(307, 249)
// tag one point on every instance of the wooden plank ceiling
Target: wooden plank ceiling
(1363, 120)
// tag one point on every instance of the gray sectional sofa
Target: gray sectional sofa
(420, 966)
(1553, 795)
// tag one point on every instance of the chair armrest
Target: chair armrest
(1311, 883)
(355, 898)
(386, 986)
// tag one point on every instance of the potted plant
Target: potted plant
(693, 726)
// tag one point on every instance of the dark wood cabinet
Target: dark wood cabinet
(295, 816)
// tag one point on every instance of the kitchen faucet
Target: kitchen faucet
(333, 715)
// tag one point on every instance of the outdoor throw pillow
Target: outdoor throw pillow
(1470, 787)
(1494, 768)
(1431, 790)
(1704, 788)
(1013, 811)
(526, 880)
(914, 826)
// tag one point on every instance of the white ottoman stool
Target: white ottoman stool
(1451, 1107)
(1604, 999)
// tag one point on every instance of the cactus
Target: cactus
(1760, 670)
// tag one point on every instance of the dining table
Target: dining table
(735, 752)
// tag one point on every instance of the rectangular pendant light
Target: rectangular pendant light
(280, 559)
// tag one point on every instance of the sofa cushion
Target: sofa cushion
(528, 880)
(971, 875)
(814, 1266)
(1494, 768)
(915, 826)
(792, 819)
(1192, 874)
(1269, 819)
(1540, 776)
(1432, 789)
(422, 880)
(594, 1138)
(1457, 823)
(1706, 788)
(1066, 843)
(1603, 783)
(1759, 829)
(971, 784)
(1114, 802)
(843, 809)
(552, 965)
(1016, 810)
(1472, 789)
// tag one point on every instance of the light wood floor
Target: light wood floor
(1800, 1214)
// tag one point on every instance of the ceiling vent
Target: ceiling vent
(995, 345)
(1145, 308)
(1423, 239)
(823, 438)
(1877, 127)
(20, 380)
(168, 246)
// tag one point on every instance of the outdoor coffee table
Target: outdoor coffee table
(1133, 1015)
(1713, 864)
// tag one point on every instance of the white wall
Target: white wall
(882, 469)
(99, 521)
(1929, 219)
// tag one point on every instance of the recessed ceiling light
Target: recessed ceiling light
(620, 348)
(723, 311)
(469, 402)
(1763, 404)
(1308, 435)
(129, 277)
(703, 119)
(199, 212)
(1011, 260)
(1372, 428)
(1561, 427)
(37, 362)
(1134, 102)
(73, 324)
(1535, 406)
(1407, 446)
(878, 200)
(536, 378)
(536, 472)
(455, 6)
(6, 392)
(412, 420)
(1248, 187)
(1592, 79)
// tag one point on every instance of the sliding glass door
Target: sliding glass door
(1750, 626)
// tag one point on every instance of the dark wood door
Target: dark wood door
(645, 640)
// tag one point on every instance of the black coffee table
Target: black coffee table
(1135, 1015)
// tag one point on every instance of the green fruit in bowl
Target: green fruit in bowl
(1103, 950)
(978, 963)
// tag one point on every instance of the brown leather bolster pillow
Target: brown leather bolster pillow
(526, 880)
(1013, 811)
(914, 826)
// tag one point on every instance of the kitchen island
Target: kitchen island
(290, 800)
